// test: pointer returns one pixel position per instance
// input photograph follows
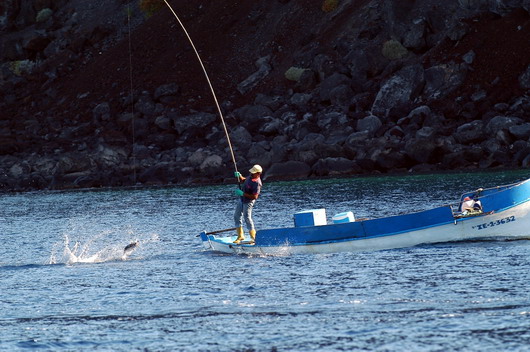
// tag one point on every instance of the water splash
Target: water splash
(105, 246)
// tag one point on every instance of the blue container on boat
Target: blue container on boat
(343, 217)
(315, 217)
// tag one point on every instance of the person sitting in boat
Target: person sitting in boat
(470, 206)
(247, 198)
(467, 204)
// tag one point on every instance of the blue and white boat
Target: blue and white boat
(497, 213)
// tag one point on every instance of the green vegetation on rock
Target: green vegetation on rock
(294, 73)
(44, 15)
(149, 7)
(330, 5)
(393, 50)
(21, 67)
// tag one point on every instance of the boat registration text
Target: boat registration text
(494, 223)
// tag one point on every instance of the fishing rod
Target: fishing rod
(209, 83)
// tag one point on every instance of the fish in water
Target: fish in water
(130, 247)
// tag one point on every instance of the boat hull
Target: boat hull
(507, 217)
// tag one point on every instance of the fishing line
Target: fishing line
(209, 83)
(132, 93)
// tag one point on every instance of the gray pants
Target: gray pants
(244, 210)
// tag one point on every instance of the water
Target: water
(66, 285)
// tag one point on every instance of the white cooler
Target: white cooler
(343, 217)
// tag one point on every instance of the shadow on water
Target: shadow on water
(22, 267)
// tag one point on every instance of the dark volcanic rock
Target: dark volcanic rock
(373, 86)
(287, 170)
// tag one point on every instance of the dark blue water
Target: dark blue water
(65, 285)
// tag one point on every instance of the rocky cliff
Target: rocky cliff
(110, 93)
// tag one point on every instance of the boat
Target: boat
(497, 213)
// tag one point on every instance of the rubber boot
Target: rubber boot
(253, 235)
(240, 235)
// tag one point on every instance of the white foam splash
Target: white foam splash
(105, 246)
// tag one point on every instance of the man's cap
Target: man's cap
(255, 169)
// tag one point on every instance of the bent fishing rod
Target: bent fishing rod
(209, 84)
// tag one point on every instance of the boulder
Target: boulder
(300, 99)
(109, 157)
(395, 131)
(331, 120)
(526, 162)
(421, 150)
(524, 78)
(401, 89)
(197, 157)
(308, 157)
(166, 90)
(163, 140)
(520, 131)
(278, 148)
(369, 124)
(287, 170)
(358, 139)
(390, 160)
(469, 57)
(331, 83)
(260, 153)
(355, 144)
(20, 169)
(442, 79)
(154, 175)
(334, 166)
(264, 68)
(501, 123)
(457, 31)
(415, 36)
(241, 138)
(211, 165)
(341, 97)
(77, 162)
(520, 150)
(101, 112)
(504, 137)
(454, 160)
(325, 66)
(338, 136)
(426, 133)
(490, 146)
(252, 115)
(471, 132)
(365, 61)
(272, 127)
(311, 141)
(45, 165)
(145, 105)
(272, 102)
(164, 123)
(72, 132)
(199, 120)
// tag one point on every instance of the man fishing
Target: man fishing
(247, 198)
